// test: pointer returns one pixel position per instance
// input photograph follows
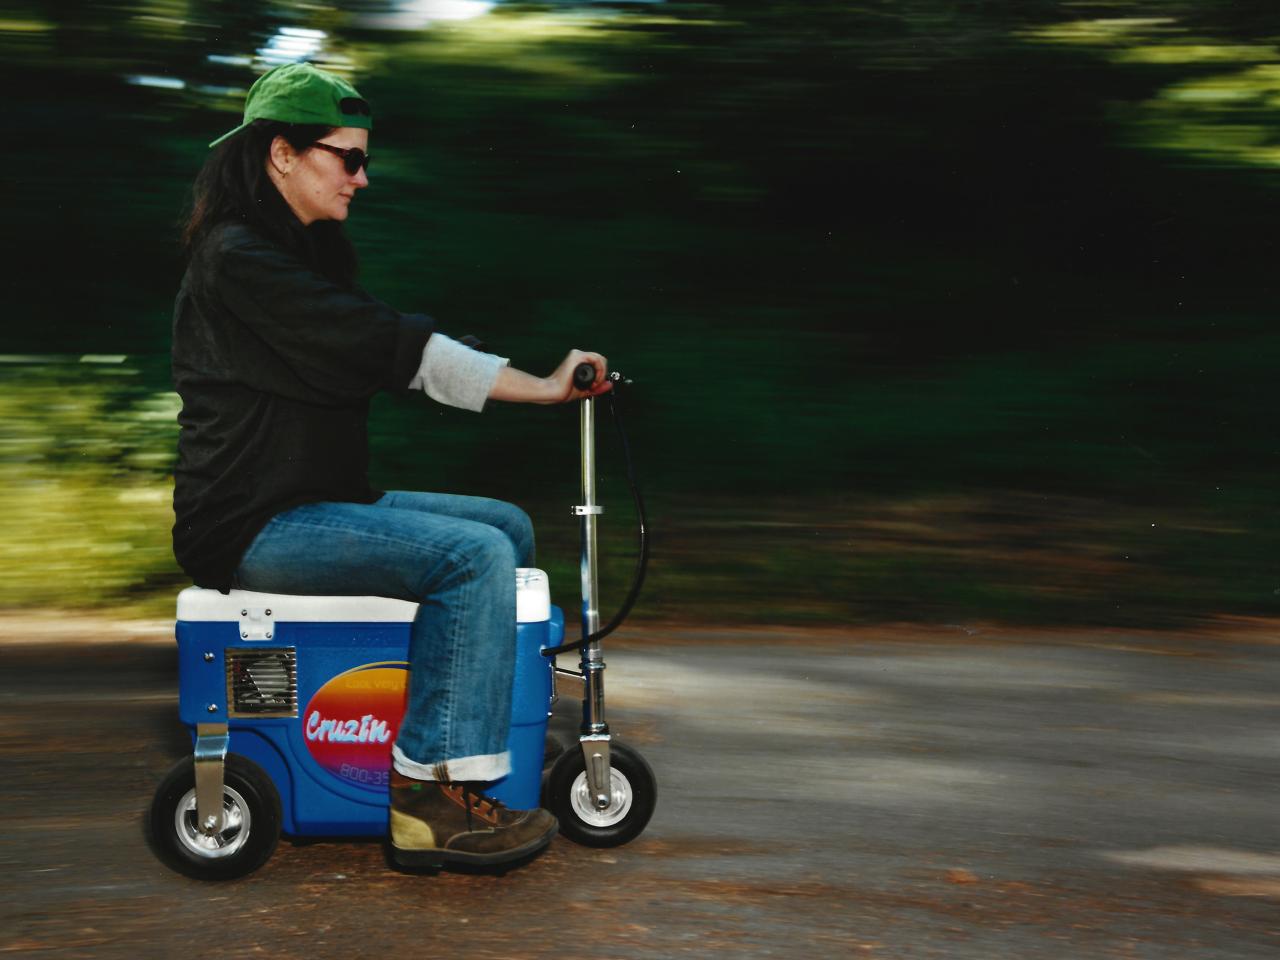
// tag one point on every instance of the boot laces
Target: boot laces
(485, 805)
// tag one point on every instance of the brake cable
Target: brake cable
(642, 561)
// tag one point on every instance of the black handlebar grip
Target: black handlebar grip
(584, 375)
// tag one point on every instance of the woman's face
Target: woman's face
(315, 183)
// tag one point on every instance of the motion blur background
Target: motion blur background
(938, 310)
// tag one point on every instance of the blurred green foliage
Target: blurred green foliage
(898, 281)
(85, 449)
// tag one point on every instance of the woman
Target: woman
(276, 352)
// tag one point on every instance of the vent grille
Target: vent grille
(262, 682)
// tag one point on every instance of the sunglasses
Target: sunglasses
(353, 158)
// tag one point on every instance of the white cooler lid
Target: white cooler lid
(533, 604)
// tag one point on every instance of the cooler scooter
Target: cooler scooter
(293, 703)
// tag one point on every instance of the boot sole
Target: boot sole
(437, 857)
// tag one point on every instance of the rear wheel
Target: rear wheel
(633, 794)
(250, 828)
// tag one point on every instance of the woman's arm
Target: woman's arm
(282, 328)
(516, 386)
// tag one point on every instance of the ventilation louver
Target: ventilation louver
(262, 682)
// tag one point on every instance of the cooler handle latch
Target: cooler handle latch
(256, 623)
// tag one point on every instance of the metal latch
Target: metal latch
(592, 510)
(256, 623)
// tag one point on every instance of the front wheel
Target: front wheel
(633, 793)
(250, 830)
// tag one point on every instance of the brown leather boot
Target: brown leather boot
(436, 823)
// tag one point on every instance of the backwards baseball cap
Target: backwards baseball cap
(299, 93)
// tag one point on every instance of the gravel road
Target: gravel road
(912, 793)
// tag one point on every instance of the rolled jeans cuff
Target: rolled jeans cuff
(484, 768)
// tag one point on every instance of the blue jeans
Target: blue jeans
(454, 556)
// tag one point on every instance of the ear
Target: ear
(282, 156)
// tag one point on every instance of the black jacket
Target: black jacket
(275, 365)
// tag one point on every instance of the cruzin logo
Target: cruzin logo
(352, 720)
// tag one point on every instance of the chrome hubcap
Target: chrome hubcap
(236, 820)
(619, 800)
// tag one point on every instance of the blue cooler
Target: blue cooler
(313, 690)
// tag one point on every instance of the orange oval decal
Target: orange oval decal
(352, 720)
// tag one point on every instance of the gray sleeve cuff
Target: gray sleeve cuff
(456, 375)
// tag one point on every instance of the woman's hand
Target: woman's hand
(516, 386)
(563, 376)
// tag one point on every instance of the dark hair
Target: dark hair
(233, 186)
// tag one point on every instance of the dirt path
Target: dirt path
(901, 792)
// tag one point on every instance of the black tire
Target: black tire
(635, 794)
(250, 804)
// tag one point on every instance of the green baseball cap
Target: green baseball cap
(300, 93)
